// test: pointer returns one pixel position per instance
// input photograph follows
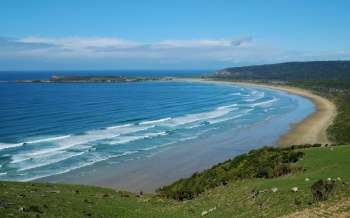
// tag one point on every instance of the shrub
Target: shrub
(321, 190)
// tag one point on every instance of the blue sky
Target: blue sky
(160, 34)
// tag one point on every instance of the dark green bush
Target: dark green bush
(321, 190)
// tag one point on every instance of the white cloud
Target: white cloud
(76, 43)
(109, 50)
(81, 43)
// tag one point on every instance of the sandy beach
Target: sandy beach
(311, 130)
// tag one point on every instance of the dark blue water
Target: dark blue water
(47, 129)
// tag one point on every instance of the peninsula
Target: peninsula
(93, 79)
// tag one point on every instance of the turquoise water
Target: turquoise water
(49, 129)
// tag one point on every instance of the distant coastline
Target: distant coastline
(93, 79)
(311, 130)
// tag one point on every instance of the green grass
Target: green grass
(233, 200)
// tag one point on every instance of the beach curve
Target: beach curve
(311, 130)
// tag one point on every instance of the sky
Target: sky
(160, 34)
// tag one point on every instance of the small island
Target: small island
(93, 79)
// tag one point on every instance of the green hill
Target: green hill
(314, 70)
(240, 197)
(330, 79)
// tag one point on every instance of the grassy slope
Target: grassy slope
(234, 199)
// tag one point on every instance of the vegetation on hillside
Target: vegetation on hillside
(266, 162)
(320, 70)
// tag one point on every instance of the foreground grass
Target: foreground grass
(236, 199)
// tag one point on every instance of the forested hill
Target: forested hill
(314, 70)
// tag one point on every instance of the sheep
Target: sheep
(274, 189)
(204, 213)
(295, 189)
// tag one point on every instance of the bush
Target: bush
(321, 190)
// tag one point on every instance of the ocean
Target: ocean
(54, 129)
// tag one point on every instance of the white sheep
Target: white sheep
(204, 213)
(295, 189)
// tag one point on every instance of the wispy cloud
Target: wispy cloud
(117, 52)
(17, 44)
(109, 44)
(81, 43)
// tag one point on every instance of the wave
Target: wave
(219, 120)
(149, 148)
(77, 166)
(14, 145)
(69, 141)
(79, 141)
(127, 139)
(119, 126)
(9, 145)
(47, 160)
(264, 103)
(255, 95)
(191, 118)
(47, 139)
(155, 121)
(228, 106)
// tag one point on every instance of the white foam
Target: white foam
(119, 126)
(155, 121)
(255, 95)
(149, 148)
(47, 139)
(127, 139)
(220, 111)
(50, 139)
(265, 103)
(9, 145)
(228, 106)
(77, 166)
(44, 161)
(85, 139)
(219, 120)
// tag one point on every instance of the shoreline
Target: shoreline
(311, 130)
(180, 160)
